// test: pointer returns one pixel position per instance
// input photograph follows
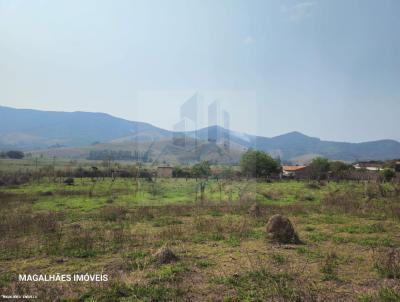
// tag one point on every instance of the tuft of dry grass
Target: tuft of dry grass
(387, 263)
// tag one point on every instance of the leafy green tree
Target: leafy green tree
(338, 167)
(319, 168)
(201, 170)
(388, 174)
(258, 164)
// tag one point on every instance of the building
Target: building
(369, 166)
(164, 171)
(291, 171)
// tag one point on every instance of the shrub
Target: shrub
(388, 174)
(69, 181)
(374, 190)
(201, 170)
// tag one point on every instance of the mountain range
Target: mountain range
(77, 134)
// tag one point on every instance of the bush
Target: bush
(201, 170)
(388, 174)
(69, 181)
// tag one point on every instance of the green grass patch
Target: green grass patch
(261, 285)
(362, 229)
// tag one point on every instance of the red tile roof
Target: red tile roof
(292, 168)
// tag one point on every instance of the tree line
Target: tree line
(253, 164)
(12, 154)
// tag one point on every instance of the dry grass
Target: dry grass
(350, 250)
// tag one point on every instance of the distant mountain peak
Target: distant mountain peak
(295, 136)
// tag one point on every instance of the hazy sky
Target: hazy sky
(327, 68)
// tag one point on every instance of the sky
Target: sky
(327, 68)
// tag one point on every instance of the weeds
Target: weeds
(387, 263)
(279, 259)
(262, 285)
(329, 268)
(122, 292)
(202, 264)
(385, 294)
(113, 213)
(363, 229)
(73, 231)
(136, 260)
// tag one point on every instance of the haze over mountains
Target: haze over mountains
(76, 134)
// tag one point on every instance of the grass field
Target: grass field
(350, 235)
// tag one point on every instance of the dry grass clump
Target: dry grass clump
(313, 186)
(329, 268)
(164, 256)
(271, 194)
(15, 179)
(173, 232)
(262, 282)
(13, 224)
(113, 213)
(343, 202)
(48, 222)
(387, 263)
(374, 190)
(142, 213)
(239, 226)
(255, 210)
(80, 244)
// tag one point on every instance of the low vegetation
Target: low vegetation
(204, 239)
